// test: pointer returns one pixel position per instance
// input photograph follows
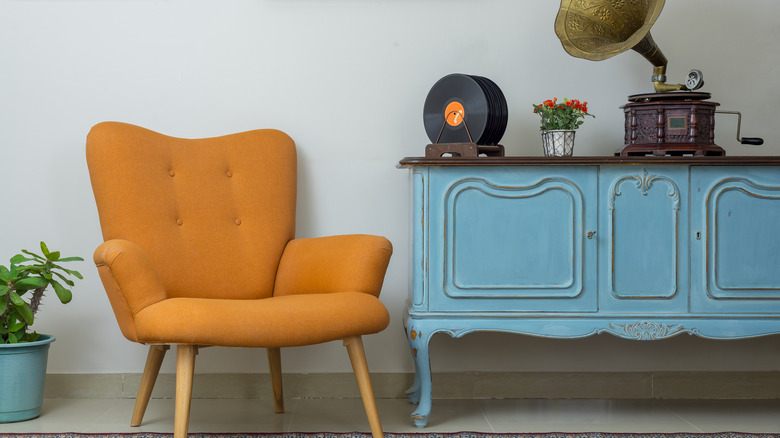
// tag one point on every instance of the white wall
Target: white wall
(347, 80)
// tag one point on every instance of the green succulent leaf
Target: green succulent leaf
(45, 250)
(15, 327)
(54, 256)
(30, 283)
(76, 274)
(64, 294)
(34, 255)
(19, 258)
(5, 274)
(3, 291)
(3, 307)
(65, 279)
(32, 269)
(16, 299)
(26, 313)
(70, 259)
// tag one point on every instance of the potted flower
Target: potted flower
(559, 120)
(23, 353)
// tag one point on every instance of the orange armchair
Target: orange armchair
(200, 250)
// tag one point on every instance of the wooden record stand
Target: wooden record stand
(673, 123)
(462, 150)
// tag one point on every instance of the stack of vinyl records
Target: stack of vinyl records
(465, 109)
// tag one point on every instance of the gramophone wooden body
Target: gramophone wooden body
(656, 125)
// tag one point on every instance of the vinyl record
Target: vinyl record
(497, 112)
(500, 112)
(460, 105)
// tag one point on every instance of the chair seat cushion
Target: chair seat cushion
(284, 321)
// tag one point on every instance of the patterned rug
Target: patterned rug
(399, 435)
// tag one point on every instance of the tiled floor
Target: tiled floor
(345, 415)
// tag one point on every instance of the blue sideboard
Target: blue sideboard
(638, 247)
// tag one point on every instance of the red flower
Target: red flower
(568, 114)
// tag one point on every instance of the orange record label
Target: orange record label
(454, 113)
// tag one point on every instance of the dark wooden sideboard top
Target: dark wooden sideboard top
(593, 160)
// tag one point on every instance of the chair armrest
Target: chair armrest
(349, 263)
(130, 279)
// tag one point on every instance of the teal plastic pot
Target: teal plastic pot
(23, 373)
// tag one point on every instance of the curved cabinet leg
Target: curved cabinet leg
(152, 368)
(413, 392)
(420, 392)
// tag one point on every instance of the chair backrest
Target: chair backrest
(213, 215)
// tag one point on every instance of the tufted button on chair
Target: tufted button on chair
(200, 250)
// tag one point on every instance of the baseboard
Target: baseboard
(634, 385)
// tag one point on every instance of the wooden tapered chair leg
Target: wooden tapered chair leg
(151, 370)
(185, 369)
(275, 368)
(357, 356)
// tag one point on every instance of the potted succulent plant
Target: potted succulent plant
(23, 353)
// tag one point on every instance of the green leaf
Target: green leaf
(70, 259)
(54, 256)
(26, 313)
(16, 299)
(17, 259)
(45, 250)
(35, 256)
(11, 338)
(76, 274)
(63, 278)
(64, 294)
(30, 283)
(34, 269)
(3, 291)
(16, 326)
(5, 274)
(3, 306)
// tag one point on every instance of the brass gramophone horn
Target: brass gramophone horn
(600, 29)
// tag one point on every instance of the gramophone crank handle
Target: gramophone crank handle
(746, 140)
(752, 140)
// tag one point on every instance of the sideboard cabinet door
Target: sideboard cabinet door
(511, 239)
(735, 242)
(643, 247)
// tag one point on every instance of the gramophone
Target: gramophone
(675, 119)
